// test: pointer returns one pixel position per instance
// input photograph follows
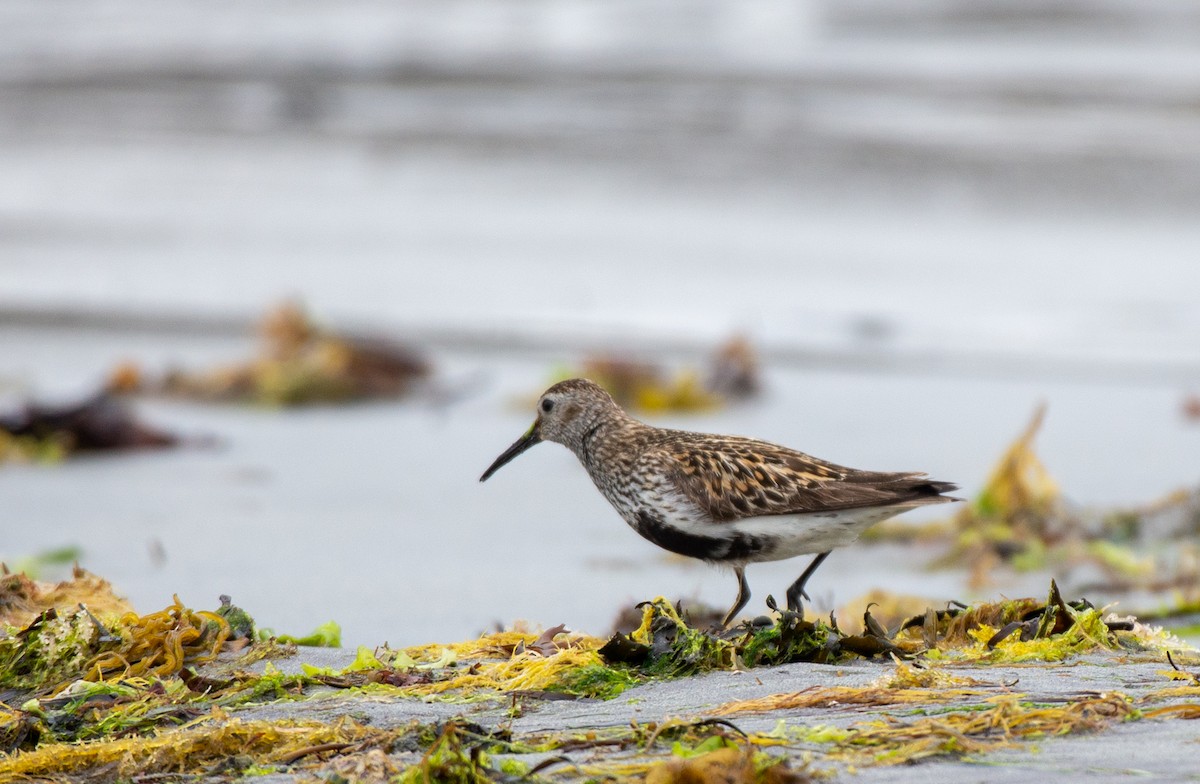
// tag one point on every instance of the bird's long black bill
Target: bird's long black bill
(524, 442)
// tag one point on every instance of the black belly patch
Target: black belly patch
(738, 547)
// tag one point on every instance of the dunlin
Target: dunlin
(722, 499)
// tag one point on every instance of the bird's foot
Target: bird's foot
(790, 614)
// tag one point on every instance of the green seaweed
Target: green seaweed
(241, 625)
(667, 646)
(450, 761)
(597, 681)
(327, 635)
(53, 648)
(674, 648)
(791, 640)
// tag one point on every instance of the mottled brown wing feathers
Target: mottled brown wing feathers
(740, 478)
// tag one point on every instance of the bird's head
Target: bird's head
(565, 413)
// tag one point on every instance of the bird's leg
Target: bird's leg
(742, 598)
(797, 590)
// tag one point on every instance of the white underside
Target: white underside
(800, 534)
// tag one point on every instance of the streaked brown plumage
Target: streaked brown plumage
(723, 499)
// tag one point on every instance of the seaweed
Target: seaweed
(1008, 631)
(59, 651)
(1005, 720)
(51, 649)
(725, 764)
(299, 364)
(327, 635)
(641, 386)
(1021, 520)
(23, 598)
(595, 681)
(160, 643)
(100, 423)
(732, 373)
(837, 696)
(129, 696)
(450, 761)
(1017, 516)
(211, 745)
(666, 645)
(241, 624)
(1018, 630)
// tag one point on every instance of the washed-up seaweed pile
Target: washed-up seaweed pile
(47, 433)
(87, 686)
(299, 364)
(1000, 632)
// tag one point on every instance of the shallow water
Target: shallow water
(372, 515)
(928, 217)
(876, 177)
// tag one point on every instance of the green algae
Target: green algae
(272, 685)
(665, 645)
(327, 635)
(677, 649)
(596, 681)
(721, 760)
(792, 639)
(52, 649)
(241, 624)
(450, 760)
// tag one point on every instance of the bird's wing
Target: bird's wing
(738, 478)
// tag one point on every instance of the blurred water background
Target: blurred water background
(928, 217)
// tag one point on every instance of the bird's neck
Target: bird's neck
(600, 442)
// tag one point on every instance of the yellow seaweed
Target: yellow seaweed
(22, 599)
(160, 643)
(837, 696)
(190, 749)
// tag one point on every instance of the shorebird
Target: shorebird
(723, 499)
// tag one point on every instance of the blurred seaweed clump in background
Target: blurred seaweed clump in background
(732, 373)
(45, 433)
(300, 364)
(1021, 520)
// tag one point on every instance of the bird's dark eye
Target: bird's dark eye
(547, 405)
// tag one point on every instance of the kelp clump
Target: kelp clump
(59, 646)
(78, 675)
(161, 643)
(30, 449)
(1022, 630)
(47, 433)
(300, 364)
(1009, 631)
(666, 645)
